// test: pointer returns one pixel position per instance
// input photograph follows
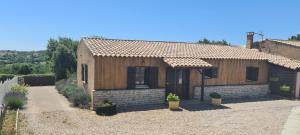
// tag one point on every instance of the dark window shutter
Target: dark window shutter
(82, 72)
(86, 73)
(131, 74)
(215, 73)
(147, 76)
(153, 77)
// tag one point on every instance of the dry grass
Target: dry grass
(8, 127)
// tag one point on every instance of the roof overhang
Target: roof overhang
(186, 62)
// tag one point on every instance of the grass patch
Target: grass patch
(8, 127)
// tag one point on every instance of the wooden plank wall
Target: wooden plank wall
(111, 72)
(231, 72)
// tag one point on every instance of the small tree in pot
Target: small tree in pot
(173, 101)
(106, 108)
(216, 98)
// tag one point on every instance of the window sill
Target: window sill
(141, 87)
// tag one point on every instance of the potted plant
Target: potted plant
(106, 108)
(216, 98)
(285, 88)
(173, 101)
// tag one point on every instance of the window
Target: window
(252, 74)
(211, 73)
(142, 77)
(84, 73)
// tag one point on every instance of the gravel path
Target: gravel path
(265, 117)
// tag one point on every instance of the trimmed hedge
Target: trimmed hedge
(39, 80)
(4, 77)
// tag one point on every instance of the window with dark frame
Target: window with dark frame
(252, 74)
(84, 73)
(211, 73)
(142, 77)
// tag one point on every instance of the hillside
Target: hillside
(12, 56)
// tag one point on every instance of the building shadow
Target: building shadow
(257, 99)
(201, 106)
(136, 108)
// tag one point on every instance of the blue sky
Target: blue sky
(27, 25)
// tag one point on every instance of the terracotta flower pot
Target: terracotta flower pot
(173, 104)
(216, 101)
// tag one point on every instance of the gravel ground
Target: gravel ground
(260, 117)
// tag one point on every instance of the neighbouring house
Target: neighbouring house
(132, 72)
(285, 76)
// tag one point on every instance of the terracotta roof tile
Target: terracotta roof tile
(289, 42)
(189, 51)
(186, 62)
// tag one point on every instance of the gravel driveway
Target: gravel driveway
(258, 117)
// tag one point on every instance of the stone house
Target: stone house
(132, 72)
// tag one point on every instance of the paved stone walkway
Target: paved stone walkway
(292, 126)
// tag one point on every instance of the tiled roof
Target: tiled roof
(186, 62)
(189, 51)
(289, 42)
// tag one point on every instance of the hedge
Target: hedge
(4, 77)
(39, 80)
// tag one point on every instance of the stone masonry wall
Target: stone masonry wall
(131, 97)
(233, 91)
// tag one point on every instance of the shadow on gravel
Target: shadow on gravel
(136, 108)
(202, 107)
(261, 99)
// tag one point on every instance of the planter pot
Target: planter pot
(216, 101)
(106, 110)
(173, 105)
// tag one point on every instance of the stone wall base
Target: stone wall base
(130, 97)
(233, 91)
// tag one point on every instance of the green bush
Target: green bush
(19, 89)
(14, 102)
(285, 88)
(172, 97)
(39, 79)
(73, 93)
(80, 98)
(4, 77)
(215, 95)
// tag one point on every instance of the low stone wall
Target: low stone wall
(131, 97)
(233, 91)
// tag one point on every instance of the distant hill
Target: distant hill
(12, 56)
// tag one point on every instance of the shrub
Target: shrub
(80, 99)
(73, 93)
(14, 100)
(215, 95)
(172, 97)
(19, 89)
(39, 79)
(285, 88)
(4, 77)
(106, 108)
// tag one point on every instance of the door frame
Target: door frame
(174, 87)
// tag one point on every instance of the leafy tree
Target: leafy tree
(297, 37)
(215, 42)
(64, 62)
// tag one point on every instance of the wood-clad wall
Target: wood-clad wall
(231, 72)
(111, 72)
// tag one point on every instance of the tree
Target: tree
(64, 62)
(61, 53)
(297, 37)
(215, 42)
